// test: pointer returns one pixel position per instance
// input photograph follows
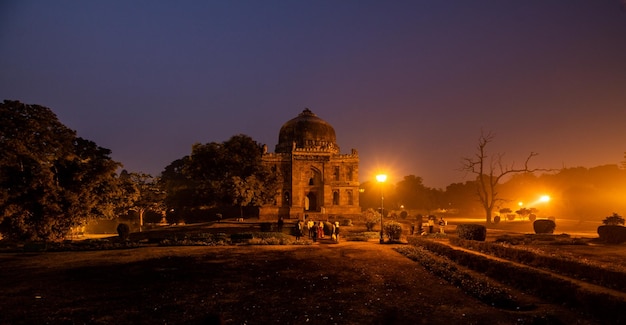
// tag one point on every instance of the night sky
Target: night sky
(409, 84)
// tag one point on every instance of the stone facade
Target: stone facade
(317, 180)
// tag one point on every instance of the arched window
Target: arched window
(350, 198)
(336, 197)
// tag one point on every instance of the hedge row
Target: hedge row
(612, 279)
(604, 307)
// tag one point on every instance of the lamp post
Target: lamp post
(381, 178)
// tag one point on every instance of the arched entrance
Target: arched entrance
(310, 202)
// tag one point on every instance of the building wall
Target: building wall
(318, 183)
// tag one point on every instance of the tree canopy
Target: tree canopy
(220, 174)
(50, 179)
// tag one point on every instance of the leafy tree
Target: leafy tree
(461, 196)
(526, 212)
(412, 193)
(178, 187)
(220, 174)
(489, 171)
(613, 220)
(50, 180)
(145, 192)
(244, 191)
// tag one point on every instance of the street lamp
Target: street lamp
(381, 178)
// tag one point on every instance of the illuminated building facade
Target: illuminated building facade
(317, 181)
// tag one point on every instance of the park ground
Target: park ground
(350, 282)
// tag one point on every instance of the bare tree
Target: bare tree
(489, 170)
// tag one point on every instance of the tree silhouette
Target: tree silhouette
(489, 170)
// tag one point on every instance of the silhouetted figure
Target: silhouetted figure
(298, 230)
(420, 225)
(281, 222)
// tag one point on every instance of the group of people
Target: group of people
(430, 226)
(316, 230)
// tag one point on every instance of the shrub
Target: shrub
(266, 226)
(612, 234)
(240, 237)
(372, 218)
(328, 228)
(544, 226)
(123, 230)
(345, 222)
(496, 219)
(404, 214)
(472, 232)
(393, 230)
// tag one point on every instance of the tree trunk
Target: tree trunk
(141, 212)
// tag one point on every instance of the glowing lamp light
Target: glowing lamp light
(544, 198)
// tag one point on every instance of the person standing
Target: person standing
(298, 230)
(336, 231)
(310, 225)
(420, 224)
(442, 225)
(320, 230)
(281, 222)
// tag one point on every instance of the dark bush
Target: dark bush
(544, 226)
(496, 219)
(328, 228)
(404, 214)
(472, 232)
(240, 237)
(345, 222)
(123, 230)
(612, 234)
(266, 226)
(532, 217)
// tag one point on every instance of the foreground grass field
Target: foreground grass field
(359, 282)
(346, 283)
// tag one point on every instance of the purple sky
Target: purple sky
(409, 84)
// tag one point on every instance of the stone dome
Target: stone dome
(307, 132)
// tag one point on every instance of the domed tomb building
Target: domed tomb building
(317, 181)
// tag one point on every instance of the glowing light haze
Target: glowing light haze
(410, 84)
